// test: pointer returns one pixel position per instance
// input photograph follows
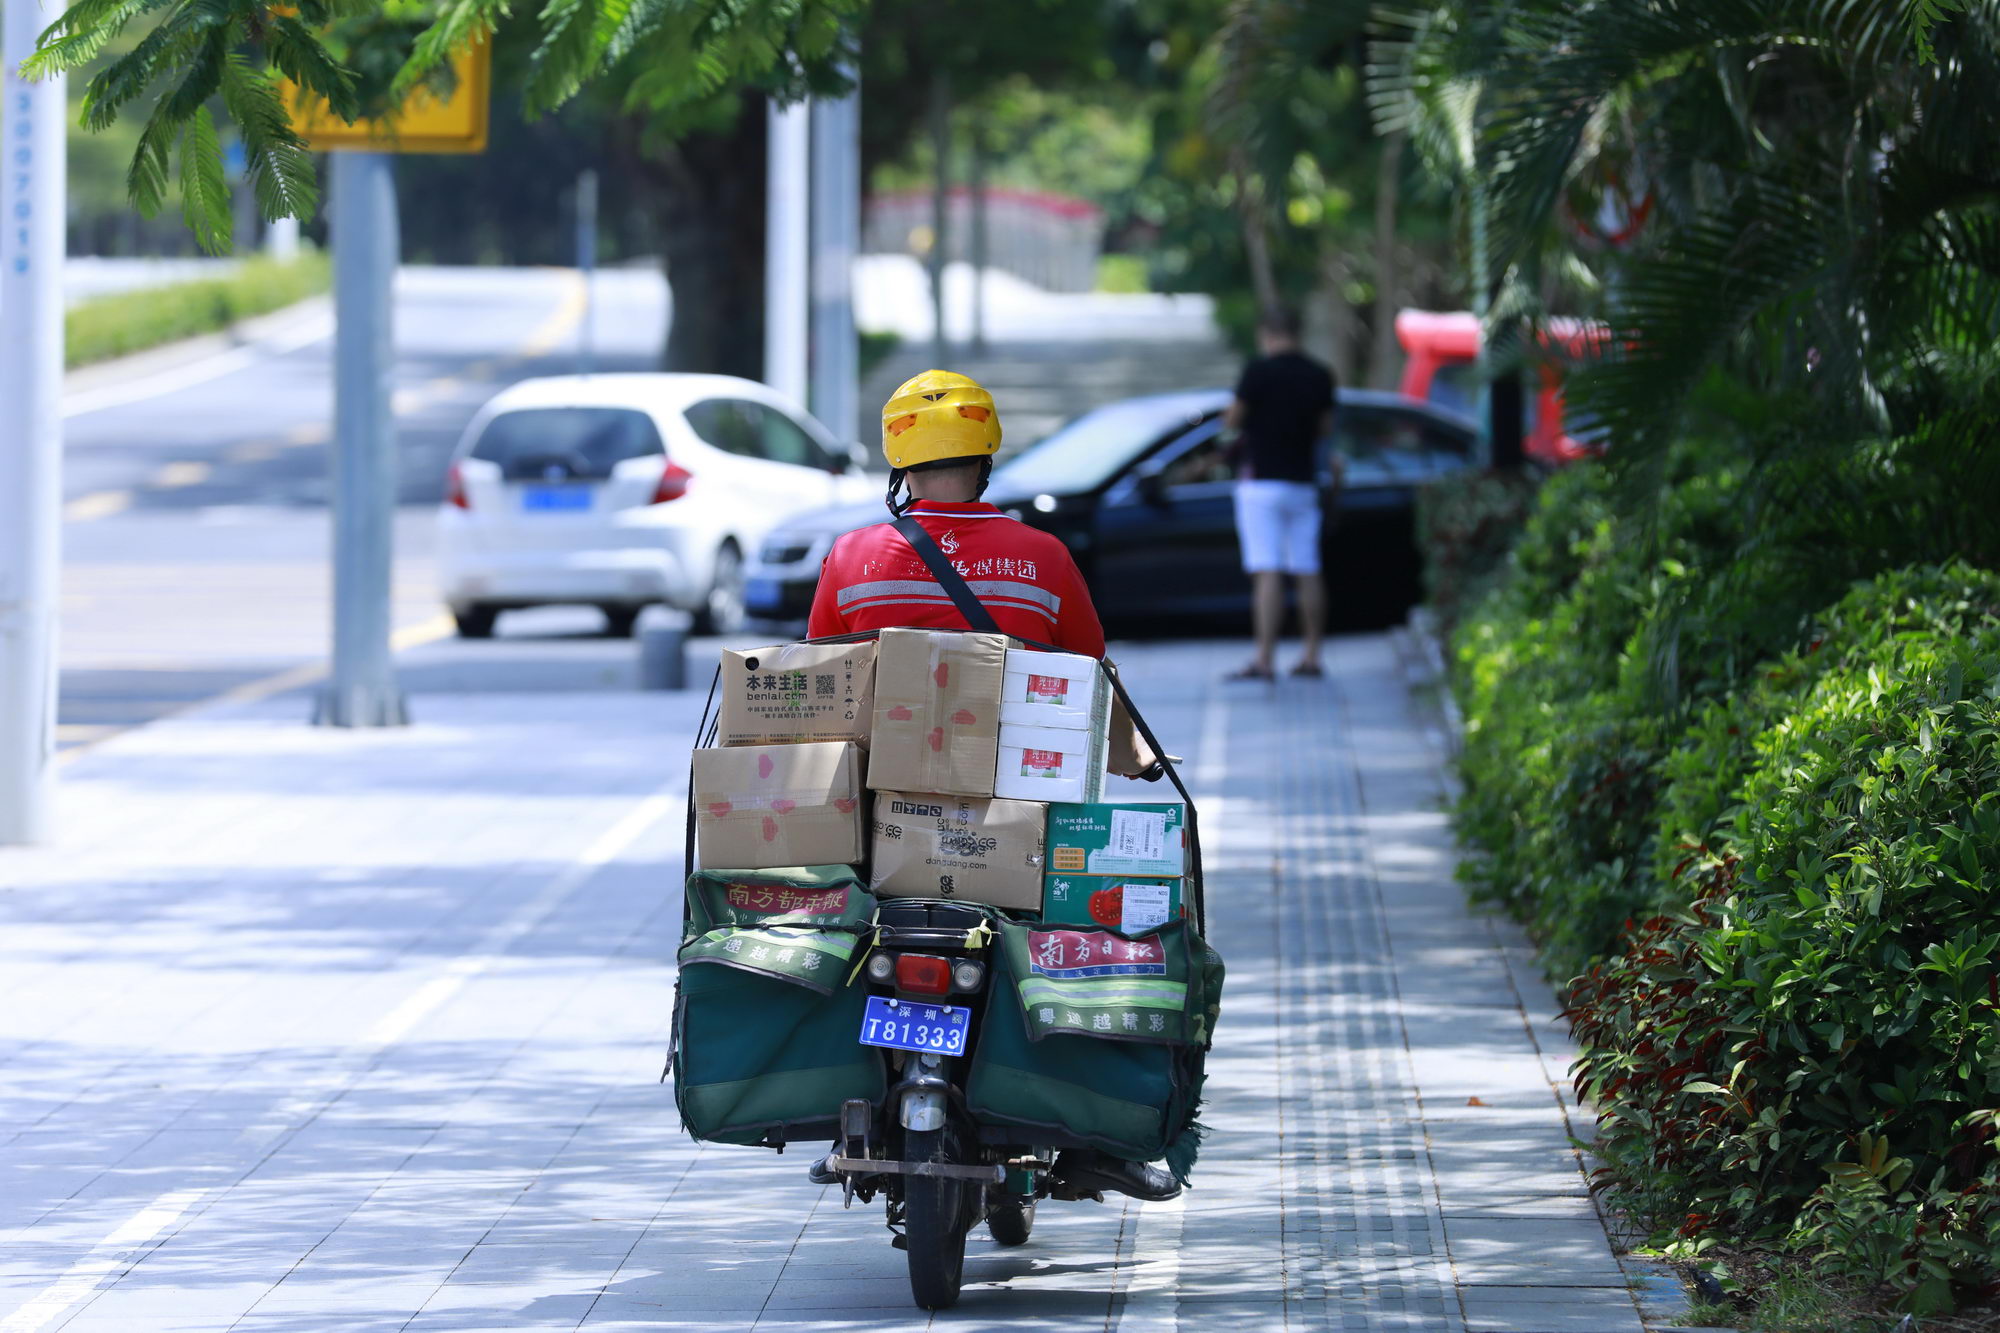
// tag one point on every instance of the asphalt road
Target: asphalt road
(196, 484)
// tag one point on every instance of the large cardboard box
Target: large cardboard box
(937, 711)
(760, 806)
(1119, 839)
(979, 849)
(797, 692)
(1129, 904)
(1049, 763)
(1054, 690)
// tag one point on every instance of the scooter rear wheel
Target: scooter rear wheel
(934, 1221)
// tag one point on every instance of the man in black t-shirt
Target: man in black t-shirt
(1283, 409)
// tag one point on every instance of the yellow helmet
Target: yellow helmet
(939, 415)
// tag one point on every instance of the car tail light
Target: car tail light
(923, 974)
(673, 483)
(454, 488)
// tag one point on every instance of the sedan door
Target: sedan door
(1165, 535)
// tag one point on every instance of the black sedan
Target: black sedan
(1140, 490)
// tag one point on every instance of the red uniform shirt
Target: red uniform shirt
(872, 579)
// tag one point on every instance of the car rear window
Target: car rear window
(560, 443)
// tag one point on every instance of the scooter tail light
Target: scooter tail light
(454, 488)
(923, 975)
(967, 976)
(673, 483)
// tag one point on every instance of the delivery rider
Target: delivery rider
(940, 431)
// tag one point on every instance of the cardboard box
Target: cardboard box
(1146, 840)
(797, 692)
(1049, 764)
(937, 711)
(979, 849)
(1054, 690)
(761, 806)
(1129, 904)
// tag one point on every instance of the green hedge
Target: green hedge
(124, 322)
(1734, 758)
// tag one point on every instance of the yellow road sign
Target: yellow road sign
(423, 125)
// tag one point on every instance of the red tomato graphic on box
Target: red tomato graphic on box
(1107, 906)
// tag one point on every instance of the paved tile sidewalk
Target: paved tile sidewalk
(305, 1030)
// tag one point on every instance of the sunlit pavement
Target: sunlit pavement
(318, 1030)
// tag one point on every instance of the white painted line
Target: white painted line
(109, 1254)
(96, 505)
(197, 372)
(1152, 1294)
(301, 1107)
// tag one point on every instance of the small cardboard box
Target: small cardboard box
(937, 711)
(1049, 764)
(1054, 690)
(981, 850)
(762, 806)
(1129, 904)
(797, 692)
(1146, 840)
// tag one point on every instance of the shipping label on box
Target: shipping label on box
(1054, 690)
(981, 850)
(762, 806)
(1049, 764)
(794, 692)
(1119, 839)
(937, 711)
(1127, 903)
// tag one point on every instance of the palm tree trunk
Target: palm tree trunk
(1382, 359)
(1256, 240)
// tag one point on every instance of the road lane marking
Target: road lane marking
(303, 1107)
(188, 376)
(560, 324)
(178, 474)
(107, 1255)
(308, 432)
(437, 627)
(252, 451)
(97, 504)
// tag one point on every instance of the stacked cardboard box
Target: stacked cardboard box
(1118, 866)
(763, 806)
(1055, 713)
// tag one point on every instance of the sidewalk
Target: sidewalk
(308, 1030)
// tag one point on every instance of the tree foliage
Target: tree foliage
(666, 59)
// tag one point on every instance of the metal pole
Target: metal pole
(586, 263)
(363, 691)
(940, 129)
(980, 257)
(836, 216)
(785, 251)
(31, 349)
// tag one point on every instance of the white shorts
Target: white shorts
(1278, 524)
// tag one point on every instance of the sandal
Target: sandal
(1252, 672)
(1309, 669)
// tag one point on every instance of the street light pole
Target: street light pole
(362, 691)
(836, 226)
(785, 250)
(586, 264)
(31, 355)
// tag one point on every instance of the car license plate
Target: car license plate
(763, 594)
(905, 1025)
(545, 499)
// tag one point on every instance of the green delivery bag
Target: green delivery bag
(765, 1024)
(1085, 1061)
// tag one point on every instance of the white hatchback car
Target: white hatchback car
(621, 491)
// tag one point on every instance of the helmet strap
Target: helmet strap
(897, 506)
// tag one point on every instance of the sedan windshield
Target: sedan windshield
(557, 443)
(1092, 449)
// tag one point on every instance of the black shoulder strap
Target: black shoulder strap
(976, 616)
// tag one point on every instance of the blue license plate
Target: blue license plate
(565, 499)
(904, 1025)
(763, 594)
